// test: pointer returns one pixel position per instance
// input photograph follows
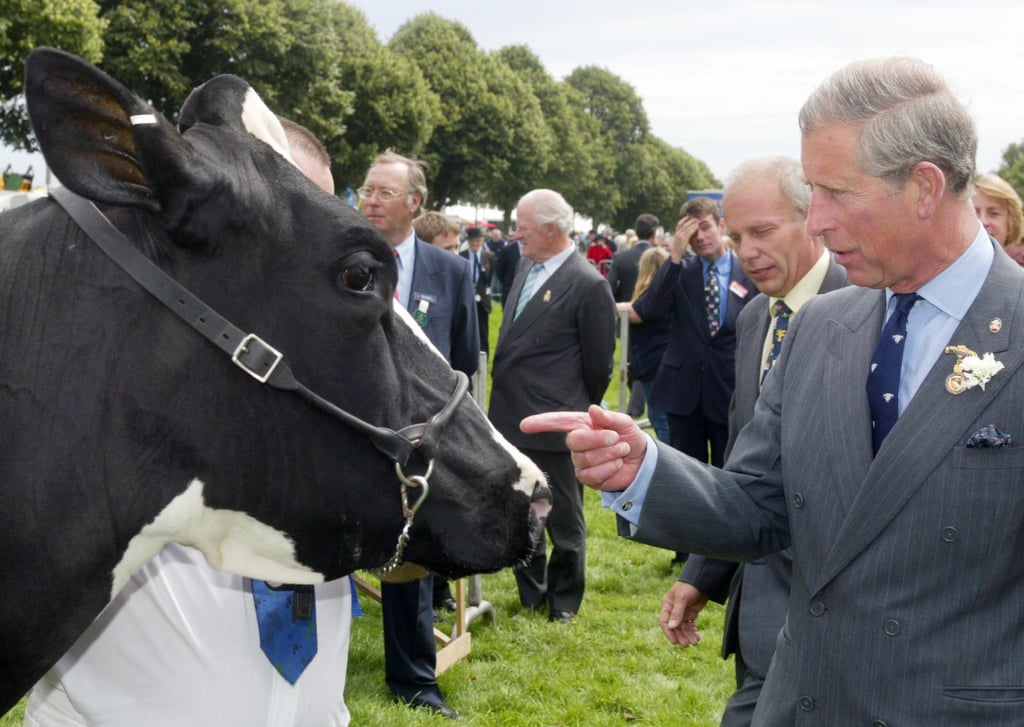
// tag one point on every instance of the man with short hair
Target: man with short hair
(704, 296)
(626, 263)
(765, 209)
(436, 287)
(439, 230)
(555, 349)
(882, 451)
(622, 279)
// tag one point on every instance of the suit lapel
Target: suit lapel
(423, 272)
(934, 420)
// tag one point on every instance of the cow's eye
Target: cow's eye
(359, 277)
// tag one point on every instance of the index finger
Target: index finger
(556, 421)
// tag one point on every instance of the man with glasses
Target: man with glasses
(436, 288)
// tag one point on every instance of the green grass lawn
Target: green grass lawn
(611, 666)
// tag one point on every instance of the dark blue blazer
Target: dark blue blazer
(444, 283)
(698, 369)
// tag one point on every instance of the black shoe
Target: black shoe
(441, 710)
(562, 617)
(445, 604)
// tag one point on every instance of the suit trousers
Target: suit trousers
(561, 579)
(410, 654)
(694, 433)
(739, 710)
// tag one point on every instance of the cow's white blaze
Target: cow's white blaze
(232, 541)
(529, 473)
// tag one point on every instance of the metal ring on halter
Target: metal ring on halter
(419, 481)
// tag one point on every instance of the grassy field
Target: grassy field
(611, 666)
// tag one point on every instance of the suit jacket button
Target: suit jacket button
(806, 704)
(892, 627)
(818, 608)
(949, 533)
(879, 723)
(798, 500)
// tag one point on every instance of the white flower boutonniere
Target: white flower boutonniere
(970, 370)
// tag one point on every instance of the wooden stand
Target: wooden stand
(450, 649)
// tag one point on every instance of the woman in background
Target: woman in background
(999, 208)
(648, 339)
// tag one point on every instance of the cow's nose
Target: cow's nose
(540, 504)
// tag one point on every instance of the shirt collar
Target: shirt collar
(723, 265)
(807, 287)
(407, 250)
(555, 261)
(954, 289)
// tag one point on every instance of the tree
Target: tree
(71, 25)
(580, 155)
(491, 132)
(1012, 169)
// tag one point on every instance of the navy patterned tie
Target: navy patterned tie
(883, 385)
(287, 621)
(713, 298)
(781, 314)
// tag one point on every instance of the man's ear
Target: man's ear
(929, 185)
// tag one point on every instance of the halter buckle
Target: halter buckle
(254, 354)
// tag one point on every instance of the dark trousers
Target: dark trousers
(410, 653)
(694, 435)
(559, 580)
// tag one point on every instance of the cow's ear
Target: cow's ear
(86, 124)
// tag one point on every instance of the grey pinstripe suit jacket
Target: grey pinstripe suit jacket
(907, 600)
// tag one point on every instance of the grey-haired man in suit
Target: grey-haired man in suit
(555, 350)
(908, 558)
(765, 209)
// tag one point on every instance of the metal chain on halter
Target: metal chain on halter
(409, 513)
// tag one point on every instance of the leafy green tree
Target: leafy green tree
(491, 140)
(580, 157)
(71, 25)
(1012, 169)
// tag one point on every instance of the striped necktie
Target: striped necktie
(527, 292)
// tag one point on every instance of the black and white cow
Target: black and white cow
(122, 429)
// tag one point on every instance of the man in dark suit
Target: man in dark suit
(436, 287)
(884, 448)
(765, 209)
(555, 350)
(481, 263)
(505, 264)
(626, 263)
(622, 279)
(704, 296)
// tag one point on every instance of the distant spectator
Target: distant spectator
(505, 268)
(439, 230)
(481, 262)
(598, 252)
(999, 208)
(495, 240)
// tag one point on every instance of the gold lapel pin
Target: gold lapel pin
(547, 296)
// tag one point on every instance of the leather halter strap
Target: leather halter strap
(247, 350)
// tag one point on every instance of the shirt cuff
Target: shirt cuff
(629, 503)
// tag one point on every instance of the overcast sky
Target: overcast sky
(724, 79)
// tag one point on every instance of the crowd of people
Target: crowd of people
(852, 501)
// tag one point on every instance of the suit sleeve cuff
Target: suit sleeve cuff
(628, 504)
